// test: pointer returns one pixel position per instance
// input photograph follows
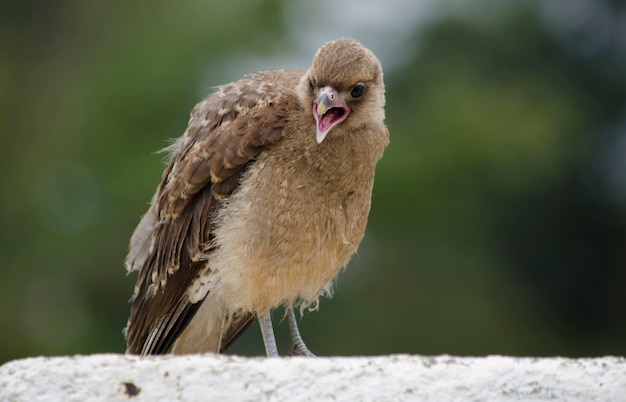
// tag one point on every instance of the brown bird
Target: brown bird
(264, 200)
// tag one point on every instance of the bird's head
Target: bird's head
(344, 83)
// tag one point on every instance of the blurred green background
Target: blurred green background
(499, 216)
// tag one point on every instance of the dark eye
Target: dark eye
(357, 91)
(311, 85)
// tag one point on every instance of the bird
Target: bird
(263, 201)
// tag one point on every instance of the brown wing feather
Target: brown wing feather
(226, 132)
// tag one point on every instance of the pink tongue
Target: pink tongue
(328, 118)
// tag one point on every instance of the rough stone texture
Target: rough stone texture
(386, 378)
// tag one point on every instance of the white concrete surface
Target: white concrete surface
(386, 378)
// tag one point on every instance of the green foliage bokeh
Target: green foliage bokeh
(499, 217)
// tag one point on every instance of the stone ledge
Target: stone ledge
(114, 377)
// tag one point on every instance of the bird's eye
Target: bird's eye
(357, 91)
(311, 85)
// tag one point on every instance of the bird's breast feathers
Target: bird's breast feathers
(284, 246)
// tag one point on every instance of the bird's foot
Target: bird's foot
(298, 348)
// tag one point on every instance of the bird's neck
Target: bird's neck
(344, 162)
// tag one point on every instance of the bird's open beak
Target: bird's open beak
(329, 110)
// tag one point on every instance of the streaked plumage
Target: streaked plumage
(262, 203)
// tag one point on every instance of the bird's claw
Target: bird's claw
(300, 349)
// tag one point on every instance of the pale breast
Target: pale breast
(285, 246)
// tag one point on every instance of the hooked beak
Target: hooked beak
(328, 110)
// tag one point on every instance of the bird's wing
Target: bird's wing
(226, 132)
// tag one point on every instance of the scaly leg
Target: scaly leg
(265, 322)
(298, 348)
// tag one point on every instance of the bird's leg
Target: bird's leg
(298, 348)
(265, 322)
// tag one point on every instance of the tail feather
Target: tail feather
(212, 329)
